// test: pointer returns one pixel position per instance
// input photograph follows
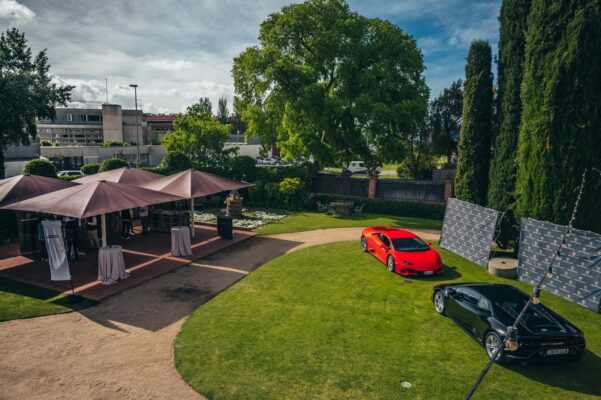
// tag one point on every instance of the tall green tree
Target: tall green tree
(471, 182)
(329, 82)
(445, 120)
(26, 91)
(222, 112)
(560, 133)
(503, 169)
(201, 137)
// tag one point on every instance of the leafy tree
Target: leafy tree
(40, 167)
(419, 162)
(445, 120)
(244, 168)
(203, 109)
(329, 82)
(175, 161)
(200, 137)
(90, 169)
(560, 132)
(112, 163)
(503, 167)
(222, 112)
(26, 91)
(474, 143)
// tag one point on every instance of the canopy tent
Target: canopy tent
(193, 183)
(93, 198)
(130, 176)
(23, 187)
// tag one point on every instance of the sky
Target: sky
(179, 51)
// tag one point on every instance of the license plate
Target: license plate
(555, 352)
(428, 272)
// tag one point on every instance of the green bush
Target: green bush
(40, 167)
(90, 169)
(112, 163)
(244, 168)
(44, 142)
(292, 193)
(305, 172)
(390, 207)
(256, 194)
(175, 161)
(114, 143)
(272, 191)
(156, 170)
(68, 178)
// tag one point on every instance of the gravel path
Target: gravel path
(123, 347)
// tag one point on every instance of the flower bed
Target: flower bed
(251, 219)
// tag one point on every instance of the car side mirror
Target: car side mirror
(429, 243)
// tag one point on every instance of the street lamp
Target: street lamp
(137, 124)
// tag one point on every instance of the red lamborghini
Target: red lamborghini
(401, 251)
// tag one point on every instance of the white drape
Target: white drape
(57, 256)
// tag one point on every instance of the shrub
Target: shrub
(69, 178)
(90, 169)
(44, 142)
(244, 168)
(156, 170)
(256, 193)
(40, 167)
(272, 191)
(175, 161)
(112, 163)
(292, 193)
(114, 143)
(390, 207)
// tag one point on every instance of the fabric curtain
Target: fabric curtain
(57, 256)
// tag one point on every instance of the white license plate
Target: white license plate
(428, 272)
(555, 352)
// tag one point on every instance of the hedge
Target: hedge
(40, 167)
(390, 207)
(112, 163)
(90, 169)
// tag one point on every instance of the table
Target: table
(180, 241)
(342, 208)
(111, 266)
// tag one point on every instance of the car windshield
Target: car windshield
(409, 244)
(535, 318)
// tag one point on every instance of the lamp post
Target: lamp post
(137, 125)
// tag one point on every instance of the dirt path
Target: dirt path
(123, 347)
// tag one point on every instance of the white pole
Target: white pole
(103, 227)
(192, 216)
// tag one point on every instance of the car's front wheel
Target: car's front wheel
(390, 264)
(363, 244)
(439, 302)
(492, 344)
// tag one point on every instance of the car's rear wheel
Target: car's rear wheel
(390, 263)
(439, 302)
(363, 244)
(492, 343)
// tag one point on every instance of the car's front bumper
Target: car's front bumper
(539, 351)
(407, 271)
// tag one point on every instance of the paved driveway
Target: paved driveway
(123, 347)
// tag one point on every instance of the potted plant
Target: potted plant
(233, 204)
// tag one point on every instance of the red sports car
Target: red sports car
(401, 251)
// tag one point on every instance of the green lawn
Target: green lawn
(19, 300)
(306, 221)
(329, 322)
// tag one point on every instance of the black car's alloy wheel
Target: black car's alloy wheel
(363, 244)
(492, 342)
(390, 264)
(439, 302)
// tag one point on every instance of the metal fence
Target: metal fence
(387, 189)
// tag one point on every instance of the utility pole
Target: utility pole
(137, 124)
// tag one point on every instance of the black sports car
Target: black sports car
(486, 310)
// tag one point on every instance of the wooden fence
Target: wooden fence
(387, 189)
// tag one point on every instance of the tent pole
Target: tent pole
(192, 216)
(103, 227)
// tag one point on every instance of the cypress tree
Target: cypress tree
(474, 142)
(512, 38)
(560, 132)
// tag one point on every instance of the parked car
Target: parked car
(402, 251)
(485, 311)
(355, 167)
(69, 172)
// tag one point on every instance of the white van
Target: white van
(355, 167)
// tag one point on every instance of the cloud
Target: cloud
(170, 65)
(14, 12)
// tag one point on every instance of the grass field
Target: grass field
(19, 300)
(305, 221)
(330, 322)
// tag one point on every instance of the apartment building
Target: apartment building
(92, 127)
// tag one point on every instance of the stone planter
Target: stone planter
(233, 207)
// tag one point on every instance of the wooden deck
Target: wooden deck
(146, 257)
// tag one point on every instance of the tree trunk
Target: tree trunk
(2, 170)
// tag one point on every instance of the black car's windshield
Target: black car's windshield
(536, 317)
(409, 244)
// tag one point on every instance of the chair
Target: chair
(322, 207)
(359, 209)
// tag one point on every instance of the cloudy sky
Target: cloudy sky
(178, 51)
